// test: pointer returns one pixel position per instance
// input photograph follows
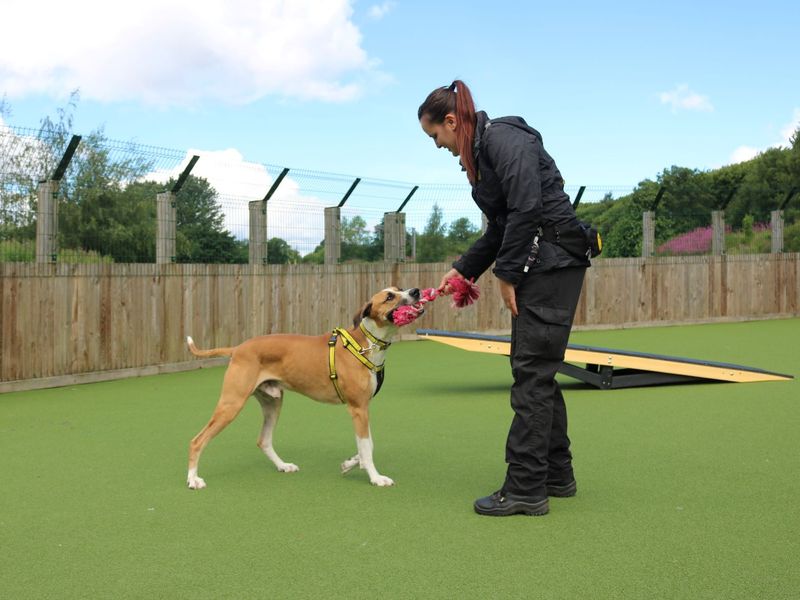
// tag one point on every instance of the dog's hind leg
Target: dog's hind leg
(236, 388)
(364, 445)
(270, 396)
(350, 463)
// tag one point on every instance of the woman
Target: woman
(530, 225)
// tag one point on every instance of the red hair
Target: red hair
(455, 99)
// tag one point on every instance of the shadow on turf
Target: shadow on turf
(481, 390)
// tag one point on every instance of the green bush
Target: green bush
(25, 251)
(791, 237)
(17, 251)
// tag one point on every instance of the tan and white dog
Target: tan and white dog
(327, 368)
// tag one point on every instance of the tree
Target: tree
(279, 252)
(432, 245)
(98, 212)
(354, 239)
(201, 235)
(460, 236)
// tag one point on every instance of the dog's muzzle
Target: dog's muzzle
(411, 296)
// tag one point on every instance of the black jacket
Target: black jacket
(519, 188)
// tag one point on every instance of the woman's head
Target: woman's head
(448, 117)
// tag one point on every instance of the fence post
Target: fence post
(46, 221)
(47, 207)
(258, 243)
(648, 233)
(717, 232)
(394, 236)
(333, 235)
(166, 215)
(776, 218)
(484, 223)
(258, 232)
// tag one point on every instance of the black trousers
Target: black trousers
(537, 449)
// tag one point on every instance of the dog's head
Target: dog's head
(381, 306)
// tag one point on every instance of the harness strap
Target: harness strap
(356, 350)
(332, 364)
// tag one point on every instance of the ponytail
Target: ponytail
(455, 99)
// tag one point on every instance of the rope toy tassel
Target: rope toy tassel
(465, 292)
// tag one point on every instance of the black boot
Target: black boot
(562, 489)
(501, 504)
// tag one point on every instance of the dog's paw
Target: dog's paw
(288, 468)
(196, 483)
(348, 465)
(381, 481)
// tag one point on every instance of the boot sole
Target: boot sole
(563, 491)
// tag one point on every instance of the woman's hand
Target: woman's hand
(509, 296)
(444, 288)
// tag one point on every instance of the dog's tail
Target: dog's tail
(207, 353)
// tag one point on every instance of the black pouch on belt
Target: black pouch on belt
(578, 238)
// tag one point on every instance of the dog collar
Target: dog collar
(381, 344)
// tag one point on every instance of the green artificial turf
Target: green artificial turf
(686, 491)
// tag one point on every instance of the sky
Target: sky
(619, 90)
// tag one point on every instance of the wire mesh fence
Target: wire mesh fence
(104, 209)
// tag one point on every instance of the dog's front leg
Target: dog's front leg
(364, 445)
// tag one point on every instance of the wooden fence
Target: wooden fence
(62, 324)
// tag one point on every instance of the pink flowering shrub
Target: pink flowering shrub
(698, 241)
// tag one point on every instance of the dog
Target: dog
(345, 367)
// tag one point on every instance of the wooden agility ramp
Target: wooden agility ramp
(609, 369)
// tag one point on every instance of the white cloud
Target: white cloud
(291, 215)
(378, 11)
(682, 98)
(790, 128)
(179, 52)
(745, 153)
(23, 155)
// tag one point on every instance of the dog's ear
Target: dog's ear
(364, 312)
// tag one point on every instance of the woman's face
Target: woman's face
(443, 134)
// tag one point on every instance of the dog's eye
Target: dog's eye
(389, 296)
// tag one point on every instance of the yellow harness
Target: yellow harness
(356, 350)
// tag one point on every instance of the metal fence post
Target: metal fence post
(333, 235)
(166, 214)
(258, 232)
(717, 232)
(46, 222)
(394, 236)
(776, 218)
(648, 233)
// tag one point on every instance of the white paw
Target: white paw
(195, 483)
(348, 465)
(381, 481)
(288, 468)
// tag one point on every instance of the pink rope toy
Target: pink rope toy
(465, 292)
